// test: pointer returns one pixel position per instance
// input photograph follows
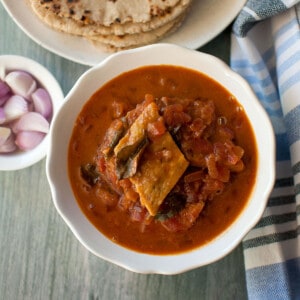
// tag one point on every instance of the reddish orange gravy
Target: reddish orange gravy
(89, 131)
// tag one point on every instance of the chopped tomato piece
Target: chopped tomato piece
(185, 219)
(156, 129)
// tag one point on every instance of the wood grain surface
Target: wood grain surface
(39, 256)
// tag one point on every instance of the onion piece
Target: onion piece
(2, 116)
(5, 132)
(27, 140)
(5, 92)
(15, 107)
(31, 121)
(42, 102)
(21, 83)
(4, 89)
(3, 99)
(2, 72)
(7, 141)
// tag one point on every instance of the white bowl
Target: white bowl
(22, 159)
(57, 172)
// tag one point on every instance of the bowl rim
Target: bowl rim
(162, 54)
(22, 159)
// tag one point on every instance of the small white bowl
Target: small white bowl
(21, 159)
(57, 172)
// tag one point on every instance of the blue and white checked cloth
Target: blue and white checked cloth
(266, 52)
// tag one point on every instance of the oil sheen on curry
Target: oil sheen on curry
(162, 159)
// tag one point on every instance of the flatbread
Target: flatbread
(113, 25)
(119, 17)
(115, 42)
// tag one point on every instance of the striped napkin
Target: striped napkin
(266, 52)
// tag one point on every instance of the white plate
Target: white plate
(207, 19)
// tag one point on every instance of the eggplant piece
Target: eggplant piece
(90, 174)
(113, 135)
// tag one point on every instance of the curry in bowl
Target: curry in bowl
(162, 159)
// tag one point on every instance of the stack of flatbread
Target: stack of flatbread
(114, 25)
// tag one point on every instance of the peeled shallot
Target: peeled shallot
(14, 108)
(31, 121)
(42, 102)
(27, 140)
(7, 140)
(5, 92)
(21, 83)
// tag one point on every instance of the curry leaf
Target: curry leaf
(128, 159)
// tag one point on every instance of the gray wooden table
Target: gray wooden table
(39, 256)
